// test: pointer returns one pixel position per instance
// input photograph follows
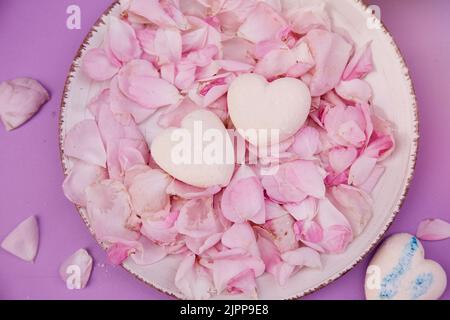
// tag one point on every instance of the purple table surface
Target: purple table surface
(35, 42)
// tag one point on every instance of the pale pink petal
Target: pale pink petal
(307, 176)
(264, 23)
(185, 75)
(307, 143)
(261, 49)
(78, 264)
(204, 56)
(193, 280)
(185, 191)
(148, 191)
(360, 65)
(274, 210)
(120, 104)
(337, 232)
(242, 236)
(151, 11)
(20, 100)
(140, 83)
(305, 19)
(108, 211)
(433, 230)
(81, 176)
(226, 269)
(243, 199)
(354, 204)
(98, 66)
(273, 262)
(122, 40)
(173, 118)
(238, 49)
(84, 142)
(234, 66)
(373, 179)
(281, 190)
(361, 170)
(275, 63)
(303, 257)
(305, 210)
(352, 133)
(355, 90)
(346, 126)
(129, 154)
(168, 45)
(331, 53)
(23, 241)
(194, 40)
(243, 283)
(201, 245)
(282, 233)
(197, 219)
(341, 158)
(162, 232)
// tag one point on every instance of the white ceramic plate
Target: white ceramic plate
(393, 94)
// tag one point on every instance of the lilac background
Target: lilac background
(34, 42)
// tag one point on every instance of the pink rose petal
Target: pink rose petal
(97, 65)
(108, 211)
(303, 257)
(433, 230)
(180, 189)
(20, 100)
(355, 90)
(241, 236)
(331, 53)
(81, 176)
(197, 219)
(355, 204)
(23, 241)
(193, 280)
(281, 231)
(361, 170)
(84, 142)
(341, 158)
(307, 143)
(75, 271)
(122, 40)
(263, 23)
(243, 199)
(360, 65)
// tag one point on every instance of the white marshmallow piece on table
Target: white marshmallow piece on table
(279, 107)
(399, 271)
(199, 153)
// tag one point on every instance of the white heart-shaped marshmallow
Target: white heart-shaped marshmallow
(279, 108)
(199, 153)
(399, 271)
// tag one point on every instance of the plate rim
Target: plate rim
(411, 163)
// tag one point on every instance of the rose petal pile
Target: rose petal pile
(161, 60)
